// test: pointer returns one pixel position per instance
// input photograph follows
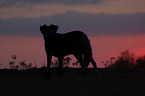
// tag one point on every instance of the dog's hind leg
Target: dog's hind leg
(86, 60)
(79, 57)
(94, 65)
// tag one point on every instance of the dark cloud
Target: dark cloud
(65, 2)
(99, 24)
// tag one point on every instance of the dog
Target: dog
(72, 43)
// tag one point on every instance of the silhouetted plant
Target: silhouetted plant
(111, 59)
(22, 64)
(54, 64)
(12, 63)
(14, 57)
(66, 61)
(75, 64)
(28, 66)
(140, 63)
(25, 65)
(125, 61)
(17, 67)
(105, 63)
(108, 62)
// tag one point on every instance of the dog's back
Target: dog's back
(68, 43)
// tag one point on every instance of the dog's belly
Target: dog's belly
(61, 53)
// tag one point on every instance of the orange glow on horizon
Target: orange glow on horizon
(105, 47)
(31, 49)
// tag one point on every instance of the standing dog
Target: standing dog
(60, 45)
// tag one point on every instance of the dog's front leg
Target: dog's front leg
(49, 56)
(60, 59)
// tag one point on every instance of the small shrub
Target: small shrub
(66, 61)
(12, 62)
(75, 64)
(140, 63)
(22, 65)
(125, 61)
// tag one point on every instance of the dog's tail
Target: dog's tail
(88, 51)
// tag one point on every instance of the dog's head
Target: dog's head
(49, 29)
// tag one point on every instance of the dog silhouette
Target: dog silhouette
(72, 43)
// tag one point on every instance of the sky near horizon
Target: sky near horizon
(112, 26)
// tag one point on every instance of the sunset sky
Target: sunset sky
(112, 26)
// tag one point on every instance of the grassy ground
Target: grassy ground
(72, 82)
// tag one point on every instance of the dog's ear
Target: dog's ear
(54, 27)
(43, 28)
